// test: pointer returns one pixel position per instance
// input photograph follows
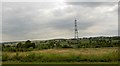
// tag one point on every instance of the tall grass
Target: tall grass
(62, 57)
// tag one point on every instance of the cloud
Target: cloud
(92, 0)
(92, 4)
(45, 20)
(68, 24)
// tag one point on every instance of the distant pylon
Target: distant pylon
(76, 30)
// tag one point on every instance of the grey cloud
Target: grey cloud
(16, 27)
(16, 21)
(92, 0)
(92, 4)
(21, 20)
(68, 24)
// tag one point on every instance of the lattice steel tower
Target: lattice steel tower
(76, 30)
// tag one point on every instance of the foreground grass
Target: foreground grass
(94, 55)
(13, 62)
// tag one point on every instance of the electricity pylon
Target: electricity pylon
(76, 30)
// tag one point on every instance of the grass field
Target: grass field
(81, 55)
(13, 62)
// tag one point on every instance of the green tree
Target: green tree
(19, 45)
(28, 44)
(3, 45)
(33, 45)
(51, 43)
(58, 45)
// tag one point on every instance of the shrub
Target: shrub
(30, 49)
(30, 57)
(66, 46)
(5, 57)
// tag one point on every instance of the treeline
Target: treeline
(27, 46)
(92, 42)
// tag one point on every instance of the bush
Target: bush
(66, 46)
(10, 49)
(5, 57)
(30, 49)
(16, 57)
(29, 58)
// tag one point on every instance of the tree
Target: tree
(3, 45)
(51, 43)
(58, 45)
(19, 45)
(7, 46)
(28, 42)
(33, 45)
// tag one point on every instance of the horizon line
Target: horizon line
(55, 38)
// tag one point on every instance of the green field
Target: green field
(80, 55)
(59, 62)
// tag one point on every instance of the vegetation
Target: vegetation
(92, 42)
(64, 55)
(93, 49)
(27, 46)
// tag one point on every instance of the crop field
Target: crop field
(63, 55)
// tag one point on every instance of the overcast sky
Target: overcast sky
(48, 20)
